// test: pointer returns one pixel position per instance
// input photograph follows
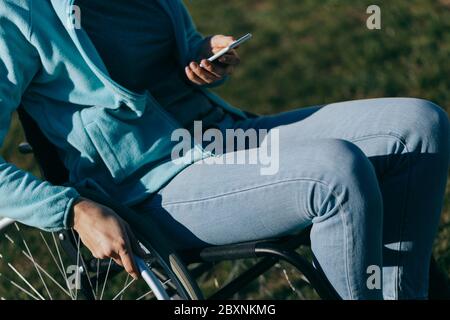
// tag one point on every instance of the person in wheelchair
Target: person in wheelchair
(110, 87)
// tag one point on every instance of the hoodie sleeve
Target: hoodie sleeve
(196, 41)
(23, 197)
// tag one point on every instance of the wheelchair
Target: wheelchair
(68, 271)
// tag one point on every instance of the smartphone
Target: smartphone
(232, 46)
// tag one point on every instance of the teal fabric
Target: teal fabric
(149, 55)
(110, 138)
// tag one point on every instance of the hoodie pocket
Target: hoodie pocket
(126, 143)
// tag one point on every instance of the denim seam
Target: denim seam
(243, 190)
(269, 229)
(346, 259)
(310, 215)
(402, 219)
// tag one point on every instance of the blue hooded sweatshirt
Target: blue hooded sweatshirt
(110, 138)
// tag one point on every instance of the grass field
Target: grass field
(315, 52)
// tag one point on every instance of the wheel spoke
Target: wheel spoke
(144, 295)
(125, 288)
(9, 238)
(98, 277)
(19, 287)
(126, 284)
(49, 276)
(33, 261)
(42, 270)
(39, 274)
(81, 259)
(298, 293)
(106, 279)
(25, 280)
(77, 274)
(151, 291)
(52, 255)
(62, 266)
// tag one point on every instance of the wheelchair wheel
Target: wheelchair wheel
(55, 266)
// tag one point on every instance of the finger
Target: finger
(221, 41)
(203, 74)
(137, 249)
(231, 58)
(116, 258)
(214, 69)
(193, 77)
(126, 255)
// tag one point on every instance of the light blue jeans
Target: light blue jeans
(369, 176)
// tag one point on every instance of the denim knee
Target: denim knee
(427, 125)
(347, 176)
(348, 163)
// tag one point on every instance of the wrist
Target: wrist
(75, 212)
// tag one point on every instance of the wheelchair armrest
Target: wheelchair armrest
(220, 253)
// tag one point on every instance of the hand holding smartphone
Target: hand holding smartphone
(219, 65)
(232, 46)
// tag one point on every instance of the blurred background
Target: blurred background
(316, 52)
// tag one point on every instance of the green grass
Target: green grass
(315, 52)
(310, 53)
